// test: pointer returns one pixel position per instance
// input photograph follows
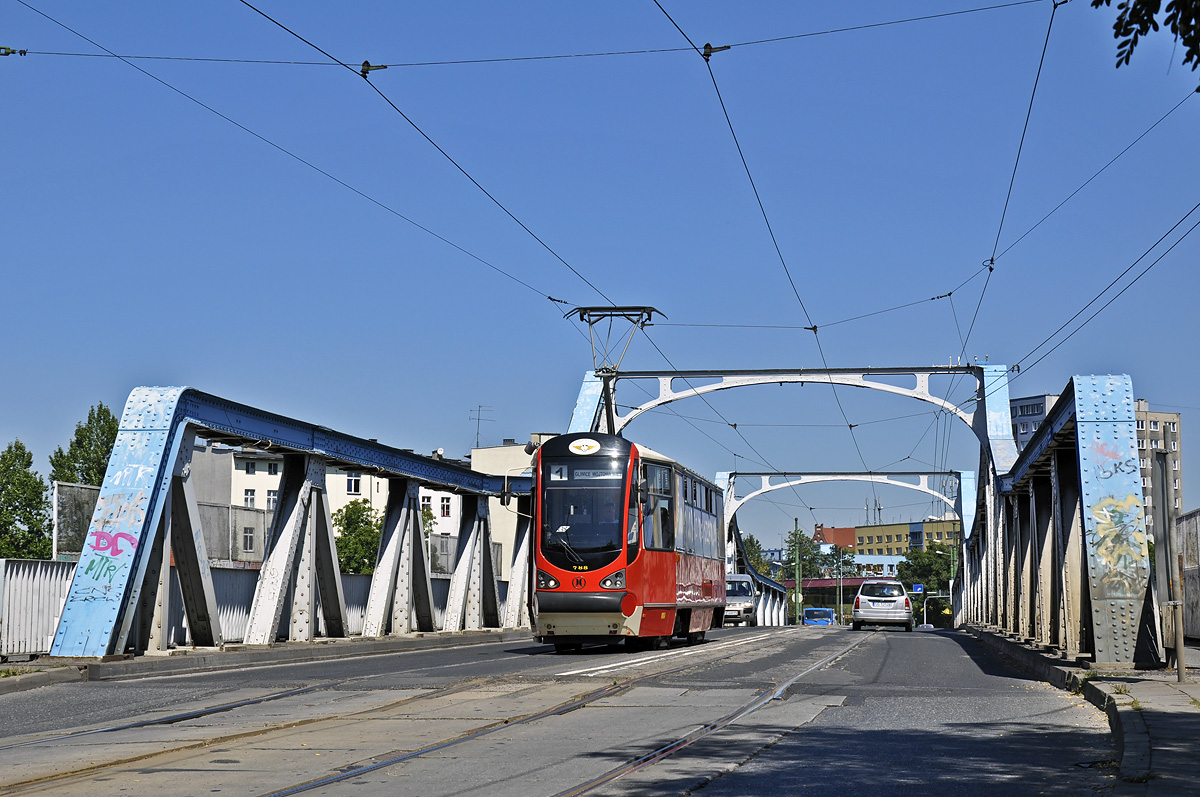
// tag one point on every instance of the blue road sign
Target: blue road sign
(918, 587)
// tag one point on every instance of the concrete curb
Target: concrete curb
(237, 656)
(1126, 723)
(32, 680)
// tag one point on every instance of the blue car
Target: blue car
(818, 617)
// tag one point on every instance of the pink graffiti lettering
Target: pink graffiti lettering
(1105, 450)
(111, 543)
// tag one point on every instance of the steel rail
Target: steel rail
(561, 708)
(682, 742)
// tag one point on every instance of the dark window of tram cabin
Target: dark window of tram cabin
(583, 522)
(659, 525)
(633, 517)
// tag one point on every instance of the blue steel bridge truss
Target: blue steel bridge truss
(147, 509)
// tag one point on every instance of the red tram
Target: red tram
(629, 545)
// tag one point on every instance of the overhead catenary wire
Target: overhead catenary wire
(362, 72)
(378, 203)
(544, 57)
(706, 55)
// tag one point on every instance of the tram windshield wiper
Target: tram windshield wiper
(559, 539)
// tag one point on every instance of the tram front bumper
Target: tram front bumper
(594, 615)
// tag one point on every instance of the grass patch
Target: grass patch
(1135, 704)
(1081, 681)
(8, 672)
(1122, 689)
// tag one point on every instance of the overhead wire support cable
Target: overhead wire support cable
(363, 72)
(381, 205)
(706, 54)
(1088, 181)
(512, 59)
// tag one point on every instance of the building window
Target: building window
(1156, 443)
(1177, 484)
(1145, 482)
(860, 540)
(249, 468)
(1149, 500)
(1174, 445)
(272, 468)
(446, 506)
(1154, 426)
(1174, 464)
(248, 499)
(426, 503)
(1143, 462)
(889, 539)
(354, 483)
(1149, 520)
(1024, 428)
(1141, 424)
(248, 539)
(1142, 443)
(889, 551)
(1176, 503)
(1035, 426)
(272, 499)
(1171, 426)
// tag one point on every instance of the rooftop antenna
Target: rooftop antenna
(603, 364)
(477, 416)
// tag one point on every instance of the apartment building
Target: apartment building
(1159, 432)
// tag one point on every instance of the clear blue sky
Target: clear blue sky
(147, 240)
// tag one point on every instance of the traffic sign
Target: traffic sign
(918, 587)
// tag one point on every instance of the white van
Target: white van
(741, 600)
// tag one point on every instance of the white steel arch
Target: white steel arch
(732, 503)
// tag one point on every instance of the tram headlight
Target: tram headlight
(546, 581)
(614, 580)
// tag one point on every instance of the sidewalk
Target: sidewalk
(1155, 720)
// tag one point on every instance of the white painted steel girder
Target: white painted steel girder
(473, 602)
(401, 591)
(516, 609)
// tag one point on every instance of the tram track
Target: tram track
(597, 694)
(557, 669)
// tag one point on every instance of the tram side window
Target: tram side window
(633, 514)
(659, 523)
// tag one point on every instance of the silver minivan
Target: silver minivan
(741, 600)
(882, 602)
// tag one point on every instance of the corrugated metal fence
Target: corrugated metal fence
(32, 594)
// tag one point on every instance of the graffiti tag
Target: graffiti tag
(1105, 451)
(1110, 469)
(1119, 543)
(111, 543)
(103, 569)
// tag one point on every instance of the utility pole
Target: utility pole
(799, 597)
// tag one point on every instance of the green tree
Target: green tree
(86, 457)
(1136, 18)
(428, 524)
(930, 568)
(810, 555)
(754, 554)
(359, 528)
(839, 561)
(24, 507)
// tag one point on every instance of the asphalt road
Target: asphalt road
(932, 713)
(899, 712)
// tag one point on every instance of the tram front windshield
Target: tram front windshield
(582, 503)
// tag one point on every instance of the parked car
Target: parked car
(882, 602)
(818, 617)
(741, 601)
